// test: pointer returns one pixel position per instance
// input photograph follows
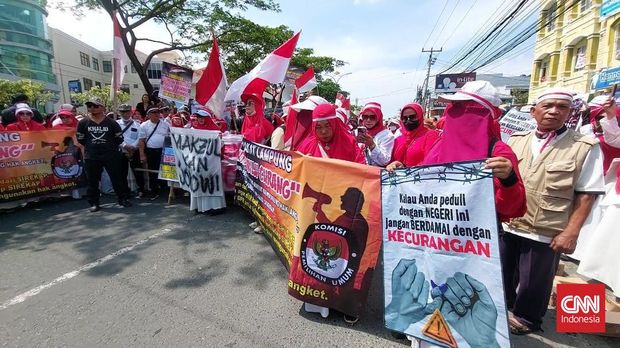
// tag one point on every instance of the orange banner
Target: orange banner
(323, 218)
(38, 162)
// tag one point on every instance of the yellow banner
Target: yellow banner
(38, 162)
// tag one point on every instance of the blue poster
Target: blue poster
(442, 271)
(607, 78)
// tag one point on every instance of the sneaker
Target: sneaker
(125, 203)
(253, 225)
(349, 319)
(140, 195)
(258, 230)
(94, 208)
(154, 196)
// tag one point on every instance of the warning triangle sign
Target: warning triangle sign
(438, 329)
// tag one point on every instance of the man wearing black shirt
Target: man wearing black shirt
(101, 138)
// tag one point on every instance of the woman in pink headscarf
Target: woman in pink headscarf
(330, 137)
(255, 126)
(67, 120)
(470, 133)
(416, 140)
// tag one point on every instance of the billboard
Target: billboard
(610, 7)
(606, 78)
(452, 82)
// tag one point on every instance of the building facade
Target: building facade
(79, 67)
(574, 43)
(25, 47)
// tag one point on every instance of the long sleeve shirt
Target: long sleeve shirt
(381, 154)
(611, 131)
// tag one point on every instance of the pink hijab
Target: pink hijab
(468, 130)
(256, 127)
(343, 145)
(376, 109)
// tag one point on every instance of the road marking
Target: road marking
(33, 292)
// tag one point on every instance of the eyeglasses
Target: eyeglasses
(413, 117)
(249, 103)
(93, 106)
(369, 117)
(24, 113)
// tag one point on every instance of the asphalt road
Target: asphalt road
(158, 275)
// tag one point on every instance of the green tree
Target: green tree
(519, 96)
(102, 93)
(188, 23)
(37, 94)
(328, 89)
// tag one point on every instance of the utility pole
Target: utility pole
(431, 61)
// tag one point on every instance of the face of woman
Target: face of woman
(250, 107)
(369, 119)
(145, 99)
(24, 116)
(65, 119)
(324, 131)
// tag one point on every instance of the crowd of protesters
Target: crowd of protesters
(550, 183)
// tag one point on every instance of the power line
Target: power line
(446, 22)
(459, 24)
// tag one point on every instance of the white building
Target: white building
(78, 65)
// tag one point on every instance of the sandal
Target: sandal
(518, 328)
(349, 319)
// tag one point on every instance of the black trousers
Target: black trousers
(153, 159)
(133, 163)
(529, 266)
(112, 165)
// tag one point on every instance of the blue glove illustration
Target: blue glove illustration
(409, 297)
(468, 307)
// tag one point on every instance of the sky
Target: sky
(381, 40)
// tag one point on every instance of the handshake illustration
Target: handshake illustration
(463, 301)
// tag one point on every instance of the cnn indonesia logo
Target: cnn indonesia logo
(580, 308)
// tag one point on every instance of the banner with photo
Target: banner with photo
(36, 163)
(176, 83)
(516, 121)
(442, 271)
(198, 155)
(326, 231)
(168, 165)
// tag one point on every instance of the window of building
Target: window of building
(135, 85)
(154, 71)
(550, 17)
(98, 84)
(584, 5)
(88, 84)
(95, 63)
(85, 59)
(125, 88)
(617, 45)
(107, 66)
(580, 58)
(133, 69)
(544, 68)
(125, 69)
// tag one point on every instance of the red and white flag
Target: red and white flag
(118, 58)
(342, 101)
(272, 69)
(306, 81)
(211, 88)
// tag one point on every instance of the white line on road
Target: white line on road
(23, 297)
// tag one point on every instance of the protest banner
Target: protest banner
(38, 162)
(442, 271)
(176, 83)
(326, 231)
(168, 165)
(231, 146)
(198, 156)
(516, 121)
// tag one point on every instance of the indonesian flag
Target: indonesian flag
(211, 88)
(342, 102)
(272, 69)
(306, 81)
(118, 58)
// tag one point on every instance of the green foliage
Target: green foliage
(37, 94)
(519, 96)
(102, 93)
(328, 89)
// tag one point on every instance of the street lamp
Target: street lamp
(337, 80)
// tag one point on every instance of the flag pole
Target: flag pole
(114, 92)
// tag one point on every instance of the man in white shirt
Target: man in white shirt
(378, 139)
(131, 133)
(152, 135)
(562, 172)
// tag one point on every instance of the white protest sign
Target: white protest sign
(516, 121)
(442, 271)
(199, 161)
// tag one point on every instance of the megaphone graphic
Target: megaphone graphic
(53, 146)
(320, 197)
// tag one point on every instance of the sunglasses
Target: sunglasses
(93, 106)
(24, 113)
(369, 117)
(410, 117)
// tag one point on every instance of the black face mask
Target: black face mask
(412, 124)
